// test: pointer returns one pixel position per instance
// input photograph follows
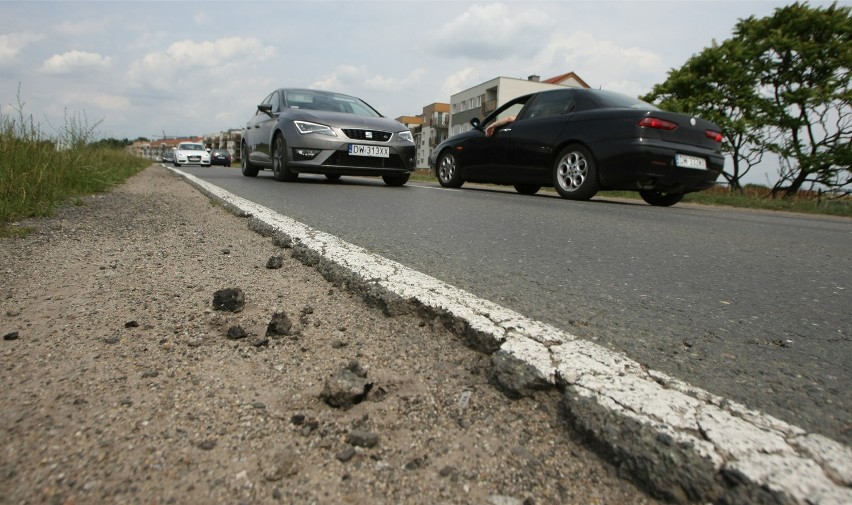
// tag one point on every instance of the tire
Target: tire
(575, 173)
(248, 169)
(332, 177)
(175, 163)
(527, 189)
(449, 170)
(659, 198)
(396, 180)
(279, 161)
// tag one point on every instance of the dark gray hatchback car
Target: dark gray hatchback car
(298, 131)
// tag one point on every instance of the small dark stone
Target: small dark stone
(260, 342)
(279, 325)
(258, 405)
(112, 340)
(309, 427)
(236, 332)
(275, 262)
(448, 471)
(147, 374)
(230, 300)
(360, 438)
(131, 324)
(298, 419)
(126, 402)
(207, 445)
(11, 336)
(346, 454)
(226, 251)
(416, 463)
(346, 387)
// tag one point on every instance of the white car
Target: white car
(191, 153)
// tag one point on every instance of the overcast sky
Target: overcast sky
(190, 68)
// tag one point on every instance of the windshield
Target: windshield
(191, 147)
(332, 102)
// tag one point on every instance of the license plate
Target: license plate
(686, 161)
(372, 151)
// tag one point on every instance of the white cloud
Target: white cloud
(198, 62)
(494, 31)
(460, 80)
(74, 60)
(11, 44)
(603, 63)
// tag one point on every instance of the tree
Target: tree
(716, 85)
(780, 84)
(801, 59)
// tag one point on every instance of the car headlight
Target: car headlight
(305, 127)
(406, 136)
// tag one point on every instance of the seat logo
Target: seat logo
(368, 135)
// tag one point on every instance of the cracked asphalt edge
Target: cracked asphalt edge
(681, 441)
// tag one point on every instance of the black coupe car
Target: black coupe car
(297, 131)
(581, 141)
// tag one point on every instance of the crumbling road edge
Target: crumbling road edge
(682, 442)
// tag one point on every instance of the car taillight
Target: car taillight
(660, 124)
(717, 136)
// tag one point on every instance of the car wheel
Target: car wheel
(527, 189)
(449, 173)
(176, 164)
(396, 180)
(249, 170)
(575, 175)
(279, 161)
(332, 177)
(659, 198)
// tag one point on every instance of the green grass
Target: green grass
(36, 175)
(752, 197)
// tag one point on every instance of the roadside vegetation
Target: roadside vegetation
(39, 172)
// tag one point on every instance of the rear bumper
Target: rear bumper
(648, 164)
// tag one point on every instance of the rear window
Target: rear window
(619, 101)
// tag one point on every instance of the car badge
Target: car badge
(692, 121)
(368, 135)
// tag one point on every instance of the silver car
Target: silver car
(298, 131)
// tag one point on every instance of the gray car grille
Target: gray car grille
(374, 135)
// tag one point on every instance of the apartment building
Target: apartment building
(482, 99)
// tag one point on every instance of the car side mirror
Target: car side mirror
(475, 123)
(266, 108)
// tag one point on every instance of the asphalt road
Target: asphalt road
(753, 306)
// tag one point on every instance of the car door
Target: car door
(530, 143)
(259, 130)
(485, 158)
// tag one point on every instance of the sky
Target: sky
(154, 68)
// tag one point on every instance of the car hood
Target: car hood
(344, 120)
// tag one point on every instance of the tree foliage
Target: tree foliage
(781, 84)
(801, 59)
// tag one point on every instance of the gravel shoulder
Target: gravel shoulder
(121, 383)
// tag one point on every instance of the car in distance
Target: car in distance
(581, 141)
(169, 156)
(191, 153)
(220, 157)
(297, 131)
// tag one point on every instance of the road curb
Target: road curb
(684, 443)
